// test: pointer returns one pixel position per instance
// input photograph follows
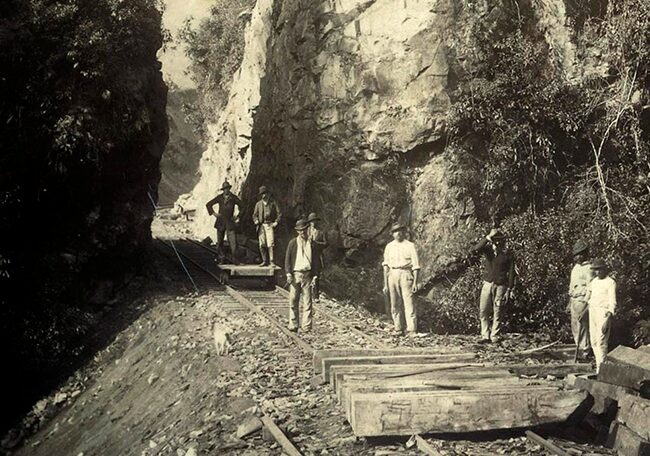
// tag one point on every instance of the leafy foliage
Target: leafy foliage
(82, 127)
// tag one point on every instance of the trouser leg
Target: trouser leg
(406, 288)
(261, 239)
(485, 309)
(220, 236)
(306, 302)
(396, 307)
(271, 255)
(499, 293)
(294, 299)
(232, 241)
(580, 323)
(599, 337)
(316, 290)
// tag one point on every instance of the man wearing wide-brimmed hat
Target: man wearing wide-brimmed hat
(401, 268)
(601, 296)
(266, 217)
(581, 276)
(302, 267)
(498, 282)
(227, 217)
(319, 238)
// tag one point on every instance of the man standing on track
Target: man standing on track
(401, 268)
(302, 266)
(498, 282)
(318, 237)
(581, 276)
(227, 217)
(266, 217)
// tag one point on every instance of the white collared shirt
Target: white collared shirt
(602, 294)
(401, 255)
(303, 255)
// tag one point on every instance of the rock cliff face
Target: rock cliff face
(341, 106)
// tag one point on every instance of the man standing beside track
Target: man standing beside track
(581, 276)
(318, 237)
(226, 219)
(498, 282)
(401, 267)
(266, 217)
(302, 266)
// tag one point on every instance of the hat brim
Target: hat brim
(396, 229)
(303, 228)
(576, 252)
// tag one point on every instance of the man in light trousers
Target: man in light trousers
(498, 282)
(581, 276)
(266, 217)
(601, 296)
(401, 268)
(302, 267)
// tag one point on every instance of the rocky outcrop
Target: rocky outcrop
(349, 118)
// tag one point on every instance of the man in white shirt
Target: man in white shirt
(302, 267)
(581, 276)
(401, 268)
(601, 296)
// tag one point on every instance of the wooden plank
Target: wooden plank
(625, 366)
(556, 370)
(459, 385)
(279, 437)
(419, 413)
(420, 359)
(604, 394)
(626, 442)
(426, 447)
(317, 359)
(385, 370)
(550, 446)
(634, 413)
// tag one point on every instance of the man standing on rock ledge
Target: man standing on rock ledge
(227, 219)
(266, 217)
(401, 267)
(498, 282)
(318, 237)
(302, 266)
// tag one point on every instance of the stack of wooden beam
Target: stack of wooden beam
(405, 392)
(616, 391)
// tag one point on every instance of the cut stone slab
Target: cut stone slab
(634, 413)
(625, 366)
(250, 425)
(626, 442)
(556, 370)
(327, 363)
(377, 414)
(318, 356)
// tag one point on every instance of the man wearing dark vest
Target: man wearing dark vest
(302, 267)
(319, 238)
(266, 217)
(498, 282)
(226, 218)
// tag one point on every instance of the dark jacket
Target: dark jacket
(320, 239)
(500, 268)
(292, 251)
(226, 210)
(273, 212)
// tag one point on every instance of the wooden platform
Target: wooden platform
(249, 270)
(421, 391)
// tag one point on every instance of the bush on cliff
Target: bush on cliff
(82, 128)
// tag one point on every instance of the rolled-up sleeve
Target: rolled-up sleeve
(385, 263)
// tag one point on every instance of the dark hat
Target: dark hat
(313, 217)
(397, 227)
(301, 225)
(579, 247)
(498, 235)
(226, 185)
(263, 190)
(598, 263)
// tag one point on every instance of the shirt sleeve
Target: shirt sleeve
(255, 219)
(611, 297)
(278, 212)
(511, 272)
(479, 247)
(415, 261)
(385, 262)
(211, 203)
